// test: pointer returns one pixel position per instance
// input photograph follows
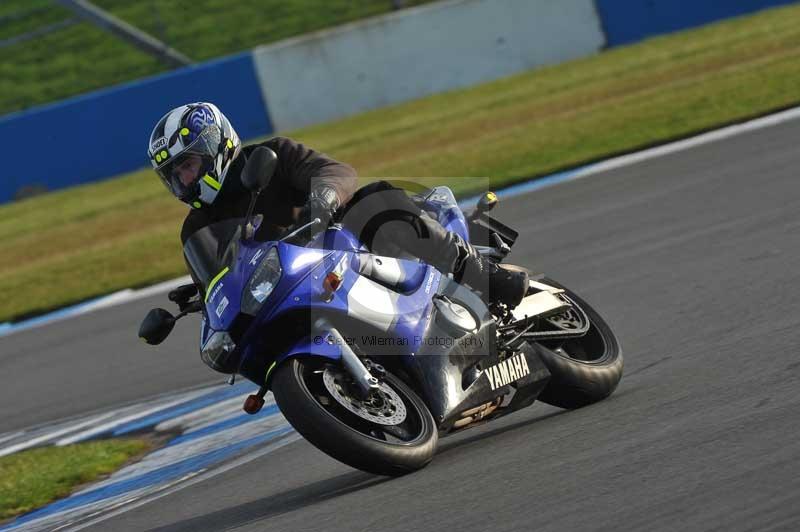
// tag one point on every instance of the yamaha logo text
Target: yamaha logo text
(507, 371)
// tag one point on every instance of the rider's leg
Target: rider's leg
(388, 222)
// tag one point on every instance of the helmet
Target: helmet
(198, 129)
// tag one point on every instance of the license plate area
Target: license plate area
(539, 305)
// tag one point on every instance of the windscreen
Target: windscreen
(212, 248)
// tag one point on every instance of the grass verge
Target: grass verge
(30, 479)
(90, 240)
(80, 57)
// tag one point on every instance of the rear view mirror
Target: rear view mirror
(156, 326)
(259, 168)
(487, 202)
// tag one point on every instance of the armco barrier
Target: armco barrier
(105, 133)
(416, 52)
(627, 21)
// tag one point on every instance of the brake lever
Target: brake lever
(194, 306)
(182, 294)
(299, 230)
(189, 308)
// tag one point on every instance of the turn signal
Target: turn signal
(331, 283)
(253, 404)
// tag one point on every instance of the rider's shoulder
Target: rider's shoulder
(279, 143)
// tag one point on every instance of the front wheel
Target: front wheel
(390, 432)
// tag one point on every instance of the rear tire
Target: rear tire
(583, 370)
(305, 402)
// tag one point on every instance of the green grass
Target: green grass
(30, 479)
(82, 57)
(90, 240)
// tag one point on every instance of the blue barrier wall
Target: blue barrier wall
(105, 133)
(626, 21)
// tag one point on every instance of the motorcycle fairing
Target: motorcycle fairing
(401, 275)
(205, 331)
(442, 359)
(336, 237)
(223, 301)
(316, 346)
(442, 203)
(451, 370)
(370, 309)
(258, 368)
(529, 388)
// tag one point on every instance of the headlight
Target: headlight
(261, 284)
(216, 352)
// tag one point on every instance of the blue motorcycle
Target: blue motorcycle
(373, 358)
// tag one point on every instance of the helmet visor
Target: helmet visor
(175, 171)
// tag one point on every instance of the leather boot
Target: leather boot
(495, 284)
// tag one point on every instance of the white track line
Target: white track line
(52, 435)
(99, 429)
(186, 482)
(699, 140)
(11, 435)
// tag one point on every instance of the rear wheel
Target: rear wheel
(390, 432)
(585, 369)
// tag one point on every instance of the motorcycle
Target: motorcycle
(373, 358)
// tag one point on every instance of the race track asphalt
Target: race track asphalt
(694, 260)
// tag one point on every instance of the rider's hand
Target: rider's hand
(321, 204)
(314, 209)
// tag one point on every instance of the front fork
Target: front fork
(364, 375)
(365, 381)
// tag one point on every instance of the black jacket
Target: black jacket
(300, 170)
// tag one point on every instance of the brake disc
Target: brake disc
(383, 406)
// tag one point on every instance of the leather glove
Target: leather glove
(322, 203)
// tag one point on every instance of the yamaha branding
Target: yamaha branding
(507, 371)
(256, 257)
(215, 292)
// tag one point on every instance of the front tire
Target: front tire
(382, 448)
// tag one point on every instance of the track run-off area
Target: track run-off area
(692, 256)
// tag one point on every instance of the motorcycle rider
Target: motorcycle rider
(199, 158)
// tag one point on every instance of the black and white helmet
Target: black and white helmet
(194, 129)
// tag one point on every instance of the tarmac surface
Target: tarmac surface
(692, 258)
